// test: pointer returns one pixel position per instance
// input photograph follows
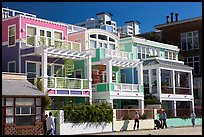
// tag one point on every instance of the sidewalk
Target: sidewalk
(197, 130)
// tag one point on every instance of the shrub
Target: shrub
(144, 116)
(88, 113)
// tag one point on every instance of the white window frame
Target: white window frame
(186, 40)
(14, 65)
(14, 25)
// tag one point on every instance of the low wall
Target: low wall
(178, 122)
(124, 125)
(84, 128)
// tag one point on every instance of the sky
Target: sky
(148, 14)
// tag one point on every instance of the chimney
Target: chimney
(167, 19)
(176, 16)
(172, 17)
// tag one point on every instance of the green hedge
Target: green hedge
(88, 113)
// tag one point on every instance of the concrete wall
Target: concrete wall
(84, 128)
(125, 125)
(177, 122)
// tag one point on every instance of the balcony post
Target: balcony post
(174, 107)
(173, 81)
(158, 81)
(132, 78)
(109, 71)
(190, 78)
(150, 80)
(81, 80)
(44, 70)
(140, 76)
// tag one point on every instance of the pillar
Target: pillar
(158, 81)
(150, 80)
(141, 105)
(44, 70)
(174, 108)
(109, 71)
(173, 81)
(140, 73)
(190, 78)
(89, 77)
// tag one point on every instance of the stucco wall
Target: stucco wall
(125, 125)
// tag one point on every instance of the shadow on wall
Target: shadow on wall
(125, 125)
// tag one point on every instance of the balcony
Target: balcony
(40, 41)
(118, 54)
(62, 83)
(67, 83)
(125, 87)
(117, 87)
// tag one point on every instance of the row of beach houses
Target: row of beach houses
(88, 66)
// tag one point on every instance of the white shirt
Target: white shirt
(50, 123)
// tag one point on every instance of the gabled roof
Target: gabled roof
(166, 63)
(19, 88)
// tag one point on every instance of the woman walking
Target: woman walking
(136, 117)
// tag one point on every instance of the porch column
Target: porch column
(173, 81)
(150, 80)
(89, 78)
(44, 70)
(140, 73)
(158, 82)
(141, 105)
(140, 77)
(109, 71)
(174, 108)
(190, 79)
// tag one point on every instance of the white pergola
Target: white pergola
(46, 52)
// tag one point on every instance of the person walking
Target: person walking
(193, 116)
(163, 118)
(50, 124)
(136, 117)
(45, 124)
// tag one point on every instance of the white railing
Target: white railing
(6, 12)
(40, 41)
(67, 83)
(125, 87)
(117, 53)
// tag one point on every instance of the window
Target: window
(12, 35)
(170, 55)
(12, 66)
(189, 40)
(58, 39)
(78, 74)
(58, 71)
(102, 37)
(123, 78)
(112, 40)
(193, 62)
(31, 32)
(112, 46)
(92, 44)
(31, 69)
(93, 36)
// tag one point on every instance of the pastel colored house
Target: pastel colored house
(164, 75)
(108, 63)
(42, 49)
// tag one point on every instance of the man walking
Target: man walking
(163, 118)
(193, 116)
(136, 117)
(50, 124)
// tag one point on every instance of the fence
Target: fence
(123, 114)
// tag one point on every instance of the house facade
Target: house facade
(109, 63)
(164, 75)
(22, 106)
(42, 49)
(188, 38)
